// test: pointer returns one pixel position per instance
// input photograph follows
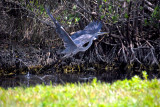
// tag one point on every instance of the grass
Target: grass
(126, 93)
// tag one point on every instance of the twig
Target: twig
(149, 3)
(149, 8)
(152, 52)
(78, 4)
(134, 56)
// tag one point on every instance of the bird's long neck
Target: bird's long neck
(90, 43)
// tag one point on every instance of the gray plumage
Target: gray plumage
(74, 43)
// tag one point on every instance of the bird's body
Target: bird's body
(74, 43)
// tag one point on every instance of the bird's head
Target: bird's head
(99, 33)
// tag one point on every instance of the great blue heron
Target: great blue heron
(75, 43)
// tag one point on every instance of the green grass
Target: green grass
(126, 93)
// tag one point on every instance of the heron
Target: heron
(75, 43)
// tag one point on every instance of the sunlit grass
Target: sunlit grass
(126, 93)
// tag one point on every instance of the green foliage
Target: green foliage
(102, 16)
(145, 75)
(115, 18)
(35, 7)
(126, 15)
(105, 0)
(128, 0)
(154, 18)
(110, 8)
(71, 18)
(156, 13)
(128, 93)
(108, 13)
(77, 19)
(145, 22)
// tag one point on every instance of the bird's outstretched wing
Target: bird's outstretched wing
(68, 43)
(94, 27)
(91, 28)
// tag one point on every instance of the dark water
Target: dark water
(28, 79)
(32, 80)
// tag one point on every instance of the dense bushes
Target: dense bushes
(134, 27)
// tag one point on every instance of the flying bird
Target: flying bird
(75, 43)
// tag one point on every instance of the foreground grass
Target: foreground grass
(134, 92)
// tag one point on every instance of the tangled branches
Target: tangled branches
(134, 31)
(134, 27)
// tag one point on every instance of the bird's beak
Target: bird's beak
(102, 33)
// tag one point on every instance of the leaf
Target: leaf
(115, 18)
(77, 19)
(100, 6)
(69, 23)
(144, 73)
(126, 15)
(105, 0)
(102, 16)
(145, 22)
(128, 0)
(110, 9)
(74, 7)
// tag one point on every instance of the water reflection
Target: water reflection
(26, 80)
(32, 80)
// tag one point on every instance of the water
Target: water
(28, 79)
